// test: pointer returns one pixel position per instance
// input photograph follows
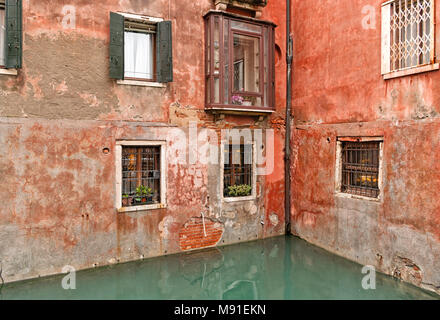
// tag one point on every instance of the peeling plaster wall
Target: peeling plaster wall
(339, 91)
(57, 187)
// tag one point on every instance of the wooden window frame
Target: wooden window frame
(263, 36)
(163, 175)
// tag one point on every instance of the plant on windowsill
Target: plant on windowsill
(126, 200)
(143, 195)
(243, 190)
(237, 100)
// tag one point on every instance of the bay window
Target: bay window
(239, 63)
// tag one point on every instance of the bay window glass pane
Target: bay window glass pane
(139, 55)
(216, 90)
(226, 59)
(266, 67)
(216, 46)
(2, 37)
(246, 63)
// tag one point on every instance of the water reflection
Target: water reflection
(277, 268)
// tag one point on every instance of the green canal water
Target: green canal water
(277, 268)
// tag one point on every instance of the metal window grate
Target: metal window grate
(140, 167)
(411, 33)
(237, 166)
(360, 168)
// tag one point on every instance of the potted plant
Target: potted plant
(237, 100)
(126, 201)
(143, 194)
(242, 190)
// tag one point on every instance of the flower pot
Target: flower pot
(247, 103)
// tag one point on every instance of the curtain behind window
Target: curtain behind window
(2, 37)
(139, 55)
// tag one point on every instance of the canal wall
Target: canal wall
(339, 92)
(61, 118)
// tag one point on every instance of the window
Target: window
(140, 175)
(239, 63)
(238, 171)
(2, 34)
(140, 48)
(360, 167)
(139, 40)
(10, 35)
(407, 35)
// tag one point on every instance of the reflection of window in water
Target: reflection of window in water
(241, 290)
(246, 63)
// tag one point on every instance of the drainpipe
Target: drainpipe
(289, 59)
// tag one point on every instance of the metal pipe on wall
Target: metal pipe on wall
(289, 60)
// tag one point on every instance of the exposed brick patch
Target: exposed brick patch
(192, 235)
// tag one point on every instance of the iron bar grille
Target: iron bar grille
(410, 33)
(140, 167)
(360, 168)
(237, 166)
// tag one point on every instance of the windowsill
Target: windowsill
(142, 208)
(8, 72)
(356, 197)
(141, 83)
(411, 71)
(239, 109)
(240, 199)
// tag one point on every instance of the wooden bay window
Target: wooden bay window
(239, 63)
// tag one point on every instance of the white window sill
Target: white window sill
(239, 199)
(8, 72)
(141, 83)
(356, 197)
(411, 71)
(142, 208)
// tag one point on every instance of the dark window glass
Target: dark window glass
(140, 176)
(237, 170)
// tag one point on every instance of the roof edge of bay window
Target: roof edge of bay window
(239, 64)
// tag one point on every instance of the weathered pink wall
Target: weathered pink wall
(338, 90)
(57, 187)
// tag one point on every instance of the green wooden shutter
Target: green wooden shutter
(116, 46)
(14, 35)
(164, 52)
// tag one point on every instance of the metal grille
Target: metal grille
(360, 168)
(140, 168)
(237, 167)
(410, 33)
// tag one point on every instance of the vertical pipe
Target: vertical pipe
(289, 59)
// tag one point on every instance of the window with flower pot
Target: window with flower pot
(239, 62)
(238, 171)
(140, 175)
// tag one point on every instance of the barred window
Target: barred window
(237, 173)
(407, 34)
(360, 168)
(141, 176)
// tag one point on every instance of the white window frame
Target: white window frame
(386, 71)
(163, 174)
(141, 83)
(338, 169)
(253, 196)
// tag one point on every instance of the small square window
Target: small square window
(238, 179)
(140, 175)
(360, 168)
